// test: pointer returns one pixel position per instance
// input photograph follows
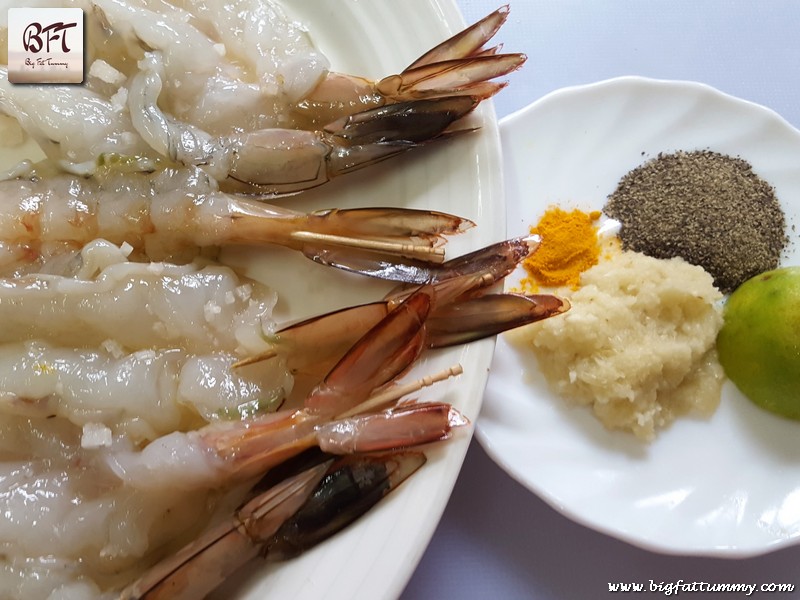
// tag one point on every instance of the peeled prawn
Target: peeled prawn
(253, 67)
(255, 33)
(168, 113)
(274, 162)
(138, 306)
(329, 418)
(147, 393)
(171, 215)
(279, 523)
(225, 453)
(251, 62)
(265, 162)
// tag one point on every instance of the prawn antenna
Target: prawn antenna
(395, 392)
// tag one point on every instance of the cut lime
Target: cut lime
(759, 343)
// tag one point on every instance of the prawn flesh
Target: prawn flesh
(139, 305)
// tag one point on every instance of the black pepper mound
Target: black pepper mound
(708, 208)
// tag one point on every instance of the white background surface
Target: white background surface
(497, 540)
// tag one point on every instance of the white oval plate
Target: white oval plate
(729, 486)
(375, 557)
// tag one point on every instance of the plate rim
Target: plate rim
(640, 80)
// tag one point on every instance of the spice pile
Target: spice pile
(708, 208)
(639, 342)
(569, 246)
(636, 345)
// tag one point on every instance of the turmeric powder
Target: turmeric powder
(569, 246)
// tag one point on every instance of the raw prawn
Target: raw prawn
(266, 162)
(255, 33)
(146, 393)
(252, 67)
(139, 306)
(276, 162)
(280, 523)
(238, 450)
(422, 105)
(172, 214)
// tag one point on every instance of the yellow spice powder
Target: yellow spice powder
(569, 246)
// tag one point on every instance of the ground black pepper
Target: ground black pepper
(708, 208)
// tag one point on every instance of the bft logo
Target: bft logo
(45, 45)
(36, 38)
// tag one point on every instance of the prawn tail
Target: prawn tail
(353, 485)
(203, 564)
